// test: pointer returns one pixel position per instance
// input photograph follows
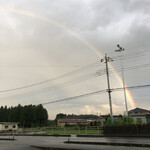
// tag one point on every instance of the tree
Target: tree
(125, 120)
(41, 115)
(28, 116)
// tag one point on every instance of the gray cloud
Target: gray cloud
(35, 49)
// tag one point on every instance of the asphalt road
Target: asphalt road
(25, 142)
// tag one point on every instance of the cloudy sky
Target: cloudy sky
(51, 50)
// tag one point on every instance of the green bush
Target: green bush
(133, 129)
(125, 120)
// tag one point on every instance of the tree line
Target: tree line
(73, 116)
(27, 116)
(70, 116)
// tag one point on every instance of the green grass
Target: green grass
(66, 130)
(74, 132)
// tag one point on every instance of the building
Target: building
(9, 126)
(67, 121)
(140, 115)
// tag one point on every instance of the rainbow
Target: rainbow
(129, 96)
(75, 34)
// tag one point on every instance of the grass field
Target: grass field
(65, 130)
(74, 132)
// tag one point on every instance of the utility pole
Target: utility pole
(106, 60)
(123, 81)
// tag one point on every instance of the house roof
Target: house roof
(72, 121)
(7, 123)
(139, 115)
(139, 110)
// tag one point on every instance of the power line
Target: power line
(57, 66)
(55, 78)
(128, 56)
(72, 73)
(136, 63)
(103, 71)
(95, 93)
(131, 67)
(75, 97)
(132, 87)
(61, 85)
(138, 50)
(99, 73)
(76, 71)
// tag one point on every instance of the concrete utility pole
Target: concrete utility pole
(123, 81)
(106, 60)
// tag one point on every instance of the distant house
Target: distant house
(101, 120)
(140, 115)
(67, 121)
(8, 126)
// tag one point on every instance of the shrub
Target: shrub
(125, 120)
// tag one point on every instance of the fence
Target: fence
(65, 130)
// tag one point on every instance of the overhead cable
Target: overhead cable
(94, 93)
(52, 79)
(75, 97)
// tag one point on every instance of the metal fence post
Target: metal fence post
(86, 129)
(52, 130)
(64, 130)
(79, 130)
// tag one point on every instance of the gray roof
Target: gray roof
(7, 123)
(139, 110)
(139, 115)
(72, 120)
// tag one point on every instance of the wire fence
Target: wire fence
(64, 130)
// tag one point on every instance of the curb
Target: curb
(109, 135)
(7, 139)
(51, 148)
(81, 135)
(109, 143)
(54, 135)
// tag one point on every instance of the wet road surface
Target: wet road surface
(25, 142)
